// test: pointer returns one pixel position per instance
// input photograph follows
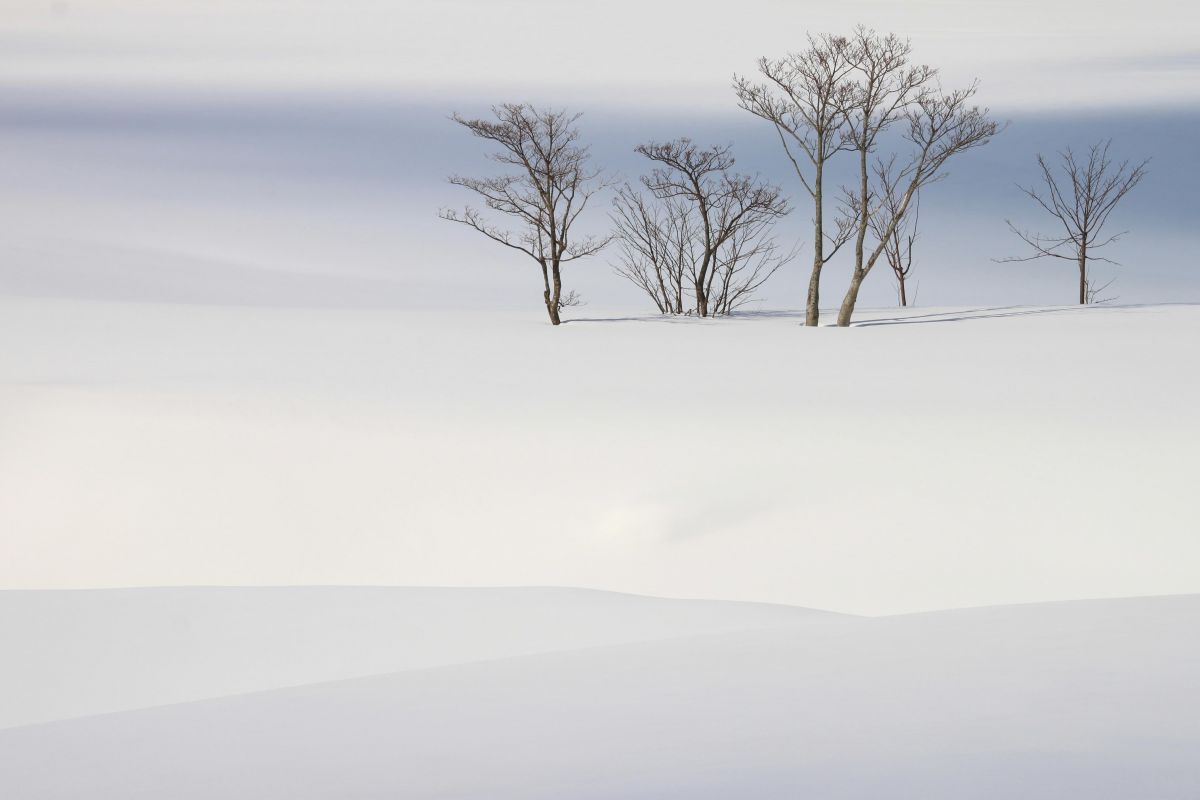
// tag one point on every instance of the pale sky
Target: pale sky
(1043, 54)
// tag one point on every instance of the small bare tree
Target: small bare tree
(549, 189)
(898, 247)
(938, 126)
(659, 246)
(1081, 198)
(804, 95)
(704, 230)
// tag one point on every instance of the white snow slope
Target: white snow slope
(926, 459)
(1092, 699)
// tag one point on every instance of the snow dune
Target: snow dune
(76, 653)
(1090, 699)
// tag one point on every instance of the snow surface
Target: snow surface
(1092, 699)
(927, 459)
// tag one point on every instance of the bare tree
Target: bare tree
(1081, 198)
(549, 189)
(898, 247)
(705, 226)
(938, 126)
(803, 95)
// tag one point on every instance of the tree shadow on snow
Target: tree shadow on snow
(966, 315)
(953, 315)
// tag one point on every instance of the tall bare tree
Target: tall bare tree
(544, 195)
(703, 225)
(804, 95)
(885, 85)
(1080, 198)
(936, 125)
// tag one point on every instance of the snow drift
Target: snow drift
(1097, 700)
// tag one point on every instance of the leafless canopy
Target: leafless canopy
(701, 238)
(549, 187)
(804, 96)
(1080, 197)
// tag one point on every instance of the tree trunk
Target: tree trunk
(553, 291)
(860, 266)
(1083, 298)
(847, 309)
(903, 294)
(700, 281)
(812, 309)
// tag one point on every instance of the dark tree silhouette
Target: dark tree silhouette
(544, 196)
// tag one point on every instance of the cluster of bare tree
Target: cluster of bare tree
(845, 94)
(696, 237)
(699, 240)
